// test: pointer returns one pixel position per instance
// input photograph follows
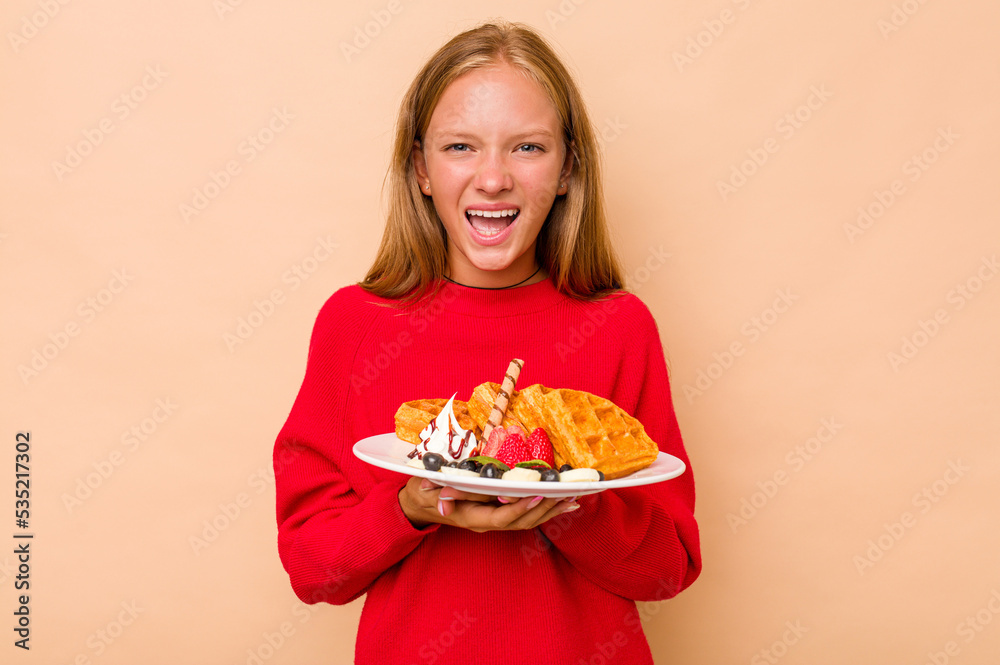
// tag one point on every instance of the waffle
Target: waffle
(585, 430)
(413, 417)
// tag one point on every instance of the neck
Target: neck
(536, 276)
(522, 271)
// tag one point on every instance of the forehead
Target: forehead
(498, 97)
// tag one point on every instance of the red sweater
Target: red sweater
(563, 592)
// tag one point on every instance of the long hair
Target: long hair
(573, 245)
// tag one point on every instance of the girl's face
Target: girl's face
(493, 160)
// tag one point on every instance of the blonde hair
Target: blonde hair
(573, 245)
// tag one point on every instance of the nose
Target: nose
(493, 176)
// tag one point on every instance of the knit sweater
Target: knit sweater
(561, 593)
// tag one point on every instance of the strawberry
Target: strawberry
(541, 447)
(513, 448)
(490, 447)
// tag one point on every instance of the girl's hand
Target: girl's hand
(424, 502)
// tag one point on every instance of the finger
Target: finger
(526, 511)
(452, 494)
(565, 506)
(445, 507)
(487, 516)
(540, 512)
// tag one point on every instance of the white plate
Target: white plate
(388, 452)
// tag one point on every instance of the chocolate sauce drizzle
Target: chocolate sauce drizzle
(455, 453)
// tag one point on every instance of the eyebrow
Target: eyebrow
(517, 137)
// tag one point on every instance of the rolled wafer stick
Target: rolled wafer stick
(503, 397)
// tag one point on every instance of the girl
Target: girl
(495, 247)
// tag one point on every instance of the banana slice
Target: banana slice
(579, 476)
(520, 474)
(452, 471)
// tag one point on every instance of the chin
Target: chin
(490, 263)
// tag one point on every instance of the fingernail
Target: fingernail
(427, 485)
(441, 508)
(571, 507)
(446, 498)
(534, 502)
(502, 499)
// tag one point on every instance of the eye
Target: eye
(458, 147)
(531, 148)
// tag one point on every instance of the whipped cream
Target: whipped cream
(444, 436)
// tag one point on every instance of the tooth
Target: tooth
(492, 213)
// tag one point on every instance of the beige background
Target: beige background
(830, 446)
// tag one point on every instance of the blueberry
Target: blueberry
(432, 461)
(549, 476)
(490, 471)
(469, 465)
(453, 464)
(564, 468)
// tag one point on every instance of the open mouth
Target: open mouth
(491, 222)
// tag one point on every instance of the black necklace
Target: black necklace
(494, 288)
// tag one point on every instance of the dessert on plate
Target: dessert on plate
(533, 429)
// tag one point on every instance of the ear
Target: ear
(567, 168)
(420, 166)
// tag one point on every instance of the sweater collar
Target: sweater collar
(501, 302)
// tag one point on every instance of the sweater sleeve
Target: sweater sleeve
(640, 542)
(337, 532)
